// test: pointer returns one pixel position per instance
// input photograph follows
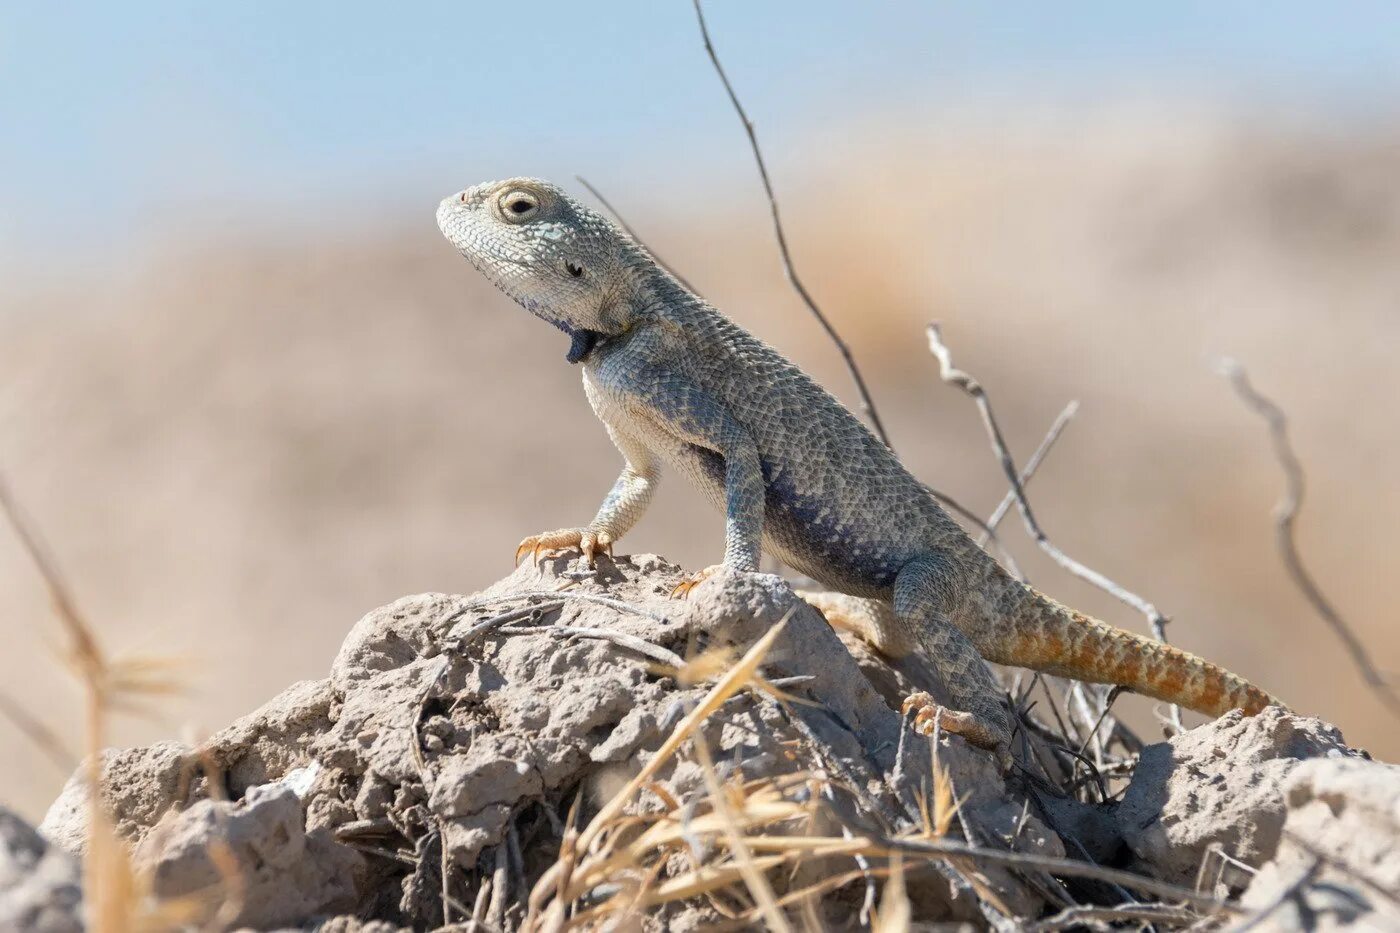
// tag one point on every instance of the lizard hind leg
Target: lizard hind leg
(871, 619)
(923, 605)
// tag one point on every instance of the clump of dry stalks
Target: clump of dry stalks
(117, 896)
(724, 846)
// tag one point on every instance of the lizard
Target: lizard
(796, 474)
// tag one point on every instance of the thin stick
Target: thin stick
(621, 639)
(962, 380)
(481, 602)
(1079, 915)
(483, 628)
(1032, 465)
(1063, 867)
(867, 404)
(877, 844)
(622, 222)
(1285, 518)
(444, 860)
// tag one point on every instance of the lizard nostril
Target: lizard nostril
(463, 198)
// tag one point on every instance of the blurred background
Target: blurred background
(249, 393)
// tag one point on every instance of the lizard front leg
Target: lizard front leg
(621, 509)
(743, 492)
(670, 403)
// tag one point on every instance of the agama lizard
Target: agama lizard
(795, 472)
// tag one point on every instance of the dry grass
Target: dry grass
(117, 896)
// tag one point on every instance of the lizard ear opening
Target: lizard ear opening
(574, 269)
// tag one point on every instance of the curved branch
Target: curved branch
(1285, 519)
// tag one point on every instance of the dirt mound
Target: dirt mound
(545, 749)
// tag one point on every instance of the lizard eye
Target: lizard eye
(518, 206)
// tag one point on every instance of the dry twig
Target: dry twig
(867, 404)
(1285, 519)
(964, 381)
(1057, 428)
(1100, 917)
(116, 897)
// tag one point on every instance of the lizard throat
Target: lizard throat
(582, 343)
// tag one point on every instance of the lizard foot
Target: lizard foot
(588, 542)
(683, 588)
(931, 714)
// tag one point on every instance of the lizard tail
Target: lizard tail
(1044, 635)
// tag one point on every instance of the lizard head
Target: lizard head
(559, 260)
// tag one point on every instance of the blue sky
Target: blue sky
(124, 120)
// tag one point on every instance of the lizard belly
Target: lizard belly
(804, 532)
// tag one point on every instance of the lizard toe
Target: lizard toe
(682, 590)
(931, 716)
(548, 541)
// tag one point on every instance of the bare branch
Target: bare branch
(973, 388)
(622, 221)
(1032, 465)
(1063, 867)
(641, 646)
(1084, 914)
(867, 404)
(1285, 519)
(956, 377)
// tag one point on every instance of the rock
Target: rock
(1221, 784)
(257, 853)
(39, 883)
(139, 785)
(1341, 832)
(265, 744)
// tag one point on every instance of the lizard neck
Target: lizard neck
(652, 291)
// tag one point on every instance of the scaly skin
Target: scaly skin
(795, 472)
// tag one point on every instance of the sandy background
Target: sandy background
(251, 438)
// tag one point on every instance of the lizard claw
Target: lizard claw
(587, 541)
(930, 715)
(682, 590)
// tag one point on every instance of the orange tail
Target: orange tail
(1047, 636)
